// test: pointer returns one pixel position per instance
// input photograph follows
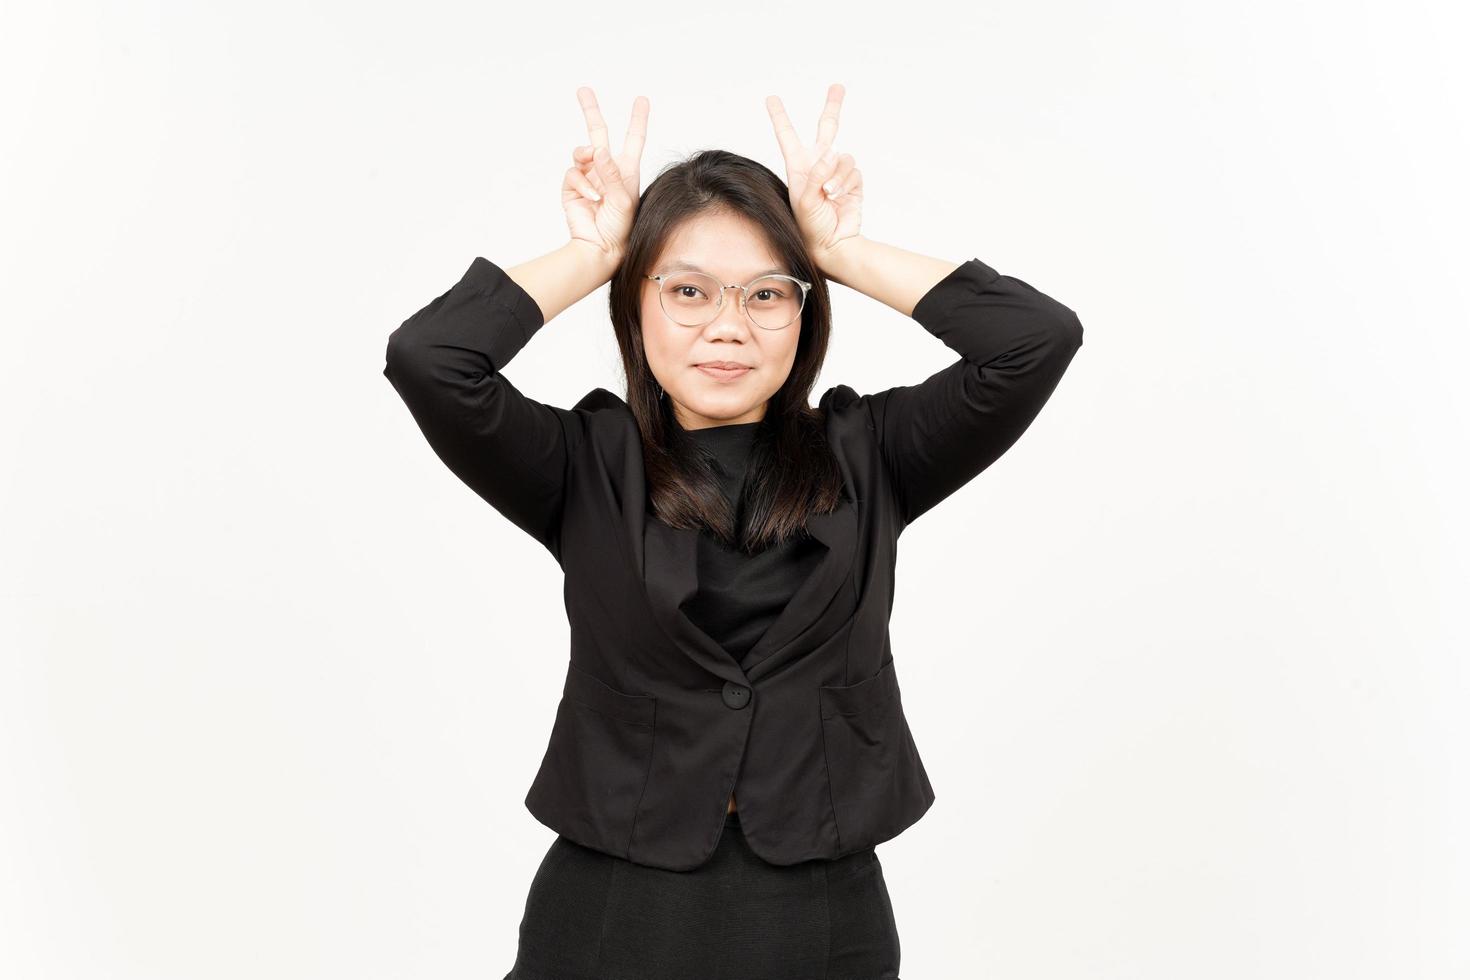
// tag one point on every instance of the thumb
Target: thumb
(820, 170)
(612, 178)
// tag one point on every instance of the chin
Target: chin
(721, 409)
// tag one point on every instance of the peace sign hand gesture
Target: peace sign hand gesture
(600, 190)
(826, 189)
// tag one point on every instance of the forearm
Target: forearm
(446, 361)
(1014, 343)
(563, 276)
(893, 276)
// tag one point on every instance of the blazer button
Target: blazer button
(735, 695)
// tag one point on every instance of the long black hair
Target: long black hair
(792, 470)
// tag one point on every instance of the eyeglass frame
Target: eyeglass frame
(744, 295)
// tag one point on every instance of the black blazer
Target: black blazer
(658, 724)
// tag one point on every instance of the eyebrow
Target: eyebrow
(685, 264)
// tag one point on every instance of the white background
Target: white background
(1186, 666)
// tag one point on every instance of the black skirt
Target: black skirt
(593, 916)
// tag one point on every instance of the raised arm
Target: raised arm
(447, 361)
(1014, 342)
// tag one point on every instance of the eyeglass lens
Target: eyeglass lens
(692, 298)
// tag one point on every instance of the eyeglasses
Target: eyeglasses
(693, 299)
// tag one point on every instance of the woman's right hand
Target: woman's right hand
(600, 191)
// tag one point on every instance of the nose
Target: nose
(731, 312)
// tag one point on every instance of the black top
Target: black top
(658, 725)
(740, 595)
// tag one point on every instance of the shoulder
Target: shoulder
(845, 408)
(603, 419)
(600, 400)
(603, 410)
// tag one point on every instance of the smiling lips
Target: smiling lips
(724, 370)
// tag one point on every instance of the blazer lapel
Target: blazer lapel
(670, 562)
(804, 613)
(670, 575)
(665, 560)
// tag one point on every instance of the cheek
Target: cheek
(661, 345)
(789, 342)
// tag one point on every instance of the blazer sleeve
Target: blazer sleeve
(446, 362)
(1014, 342)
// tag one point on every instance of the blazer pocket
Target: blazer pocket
(596, 763)
(872, 762)
(586, 689)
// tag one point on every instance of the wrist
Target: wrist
(597, 262)
(844, 262)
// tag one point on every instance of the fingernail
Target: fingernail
(595, 196)
(830, 186)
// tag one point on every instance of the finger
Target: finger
(838, 178)
(812, 192)
(637, 133)
(786, 136)
(612, 178)
(852, 184)
(596, 127)
(827, 122)
(582, 154)
(594, 175)
(579, 182)
(822, 168)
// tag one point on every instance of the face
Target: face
(732, 249)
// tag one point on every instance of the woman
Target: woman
(728, 549)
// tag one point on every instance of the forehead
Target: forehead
(725, 246)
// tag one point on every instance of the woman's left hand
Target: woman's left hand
(826, 189)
